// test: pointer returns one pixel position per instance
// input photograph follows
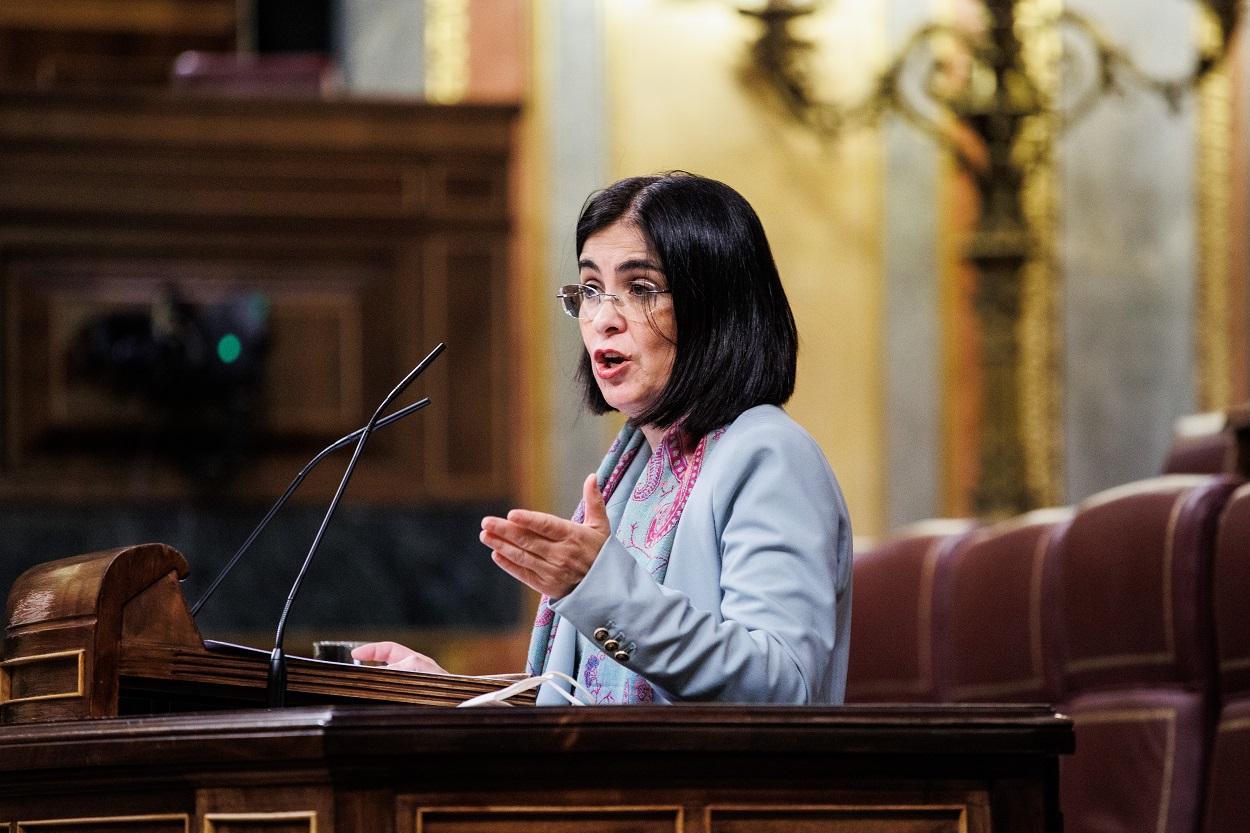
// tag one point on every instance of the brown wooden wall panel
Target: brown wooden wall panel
(372, 231)
(461, 274)
(101, 42)
(314, 362)
(248, 182)
(152, 16)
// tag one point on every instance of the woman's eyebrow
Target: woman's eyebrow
(623, 266)
(628, 265)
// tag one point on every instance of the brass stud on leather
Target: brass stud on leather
(620, 656)
(611, 645)
(601, 634)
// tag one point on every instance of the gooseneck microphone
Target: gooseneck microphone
(290, 490)
(277, 659)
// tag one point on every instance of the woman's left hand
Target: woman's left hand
(547, 553)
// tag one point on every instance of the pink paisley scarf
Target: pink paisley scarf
(647, 528)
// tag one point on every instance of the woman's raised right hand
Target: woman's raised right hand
(398, 657)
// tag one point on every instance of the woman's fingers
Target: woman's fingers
(527, 577)
(538, 533)
(544, 552)
(540, 524)
(417, 662)
(387, 652)
(515, 553)
(518, 534)
(397, 656)
(551, 567)
(552, 570)
(540, 554)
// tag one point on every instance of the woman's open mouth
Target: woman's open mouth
(608, 363)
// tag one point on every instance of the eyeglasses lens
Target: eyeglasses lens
(583, 303)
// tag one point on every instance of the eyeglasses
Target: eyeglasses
(584, 302)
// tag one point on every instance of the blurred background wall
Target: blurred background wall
(1135, 310)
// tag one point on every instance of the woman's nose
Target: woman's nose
(607, 317)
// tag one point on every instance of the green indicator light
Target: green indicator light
(229, 348)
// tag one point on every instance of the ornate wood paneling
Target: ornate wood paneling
(369, 231)
(696, 767)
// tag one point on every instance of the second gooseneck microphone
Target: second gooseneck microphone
(277, 659)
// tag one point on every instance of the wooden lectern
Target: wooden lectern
(109, 636)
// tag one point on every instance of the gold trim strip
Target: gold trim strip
(211, 819)
(1169, 755)
(1213, 336)
(996, 689)
(1036, 576)
(1237, 725)
(1235, 664)
(1040, 327)
(39, 657)
(5, 683)
(1117, 661)
(99, 820)
(925, 631)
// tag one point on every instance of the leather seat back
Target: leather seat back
(1001, 642)
(1137, 666)
(898, 614)
(1228, 787)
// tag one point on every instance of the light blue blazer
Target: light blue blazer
(756, 604)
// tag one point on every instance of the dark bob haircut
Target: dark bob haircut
(737, 344)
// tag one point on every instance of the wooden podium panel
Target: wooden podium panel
(677, 769)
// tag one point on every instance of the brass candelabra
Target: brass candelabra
(972, 88)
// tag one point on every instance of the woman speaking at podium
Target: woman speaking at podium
(710, 558)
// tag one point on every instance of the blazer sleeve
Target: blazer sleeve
(780, 528)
